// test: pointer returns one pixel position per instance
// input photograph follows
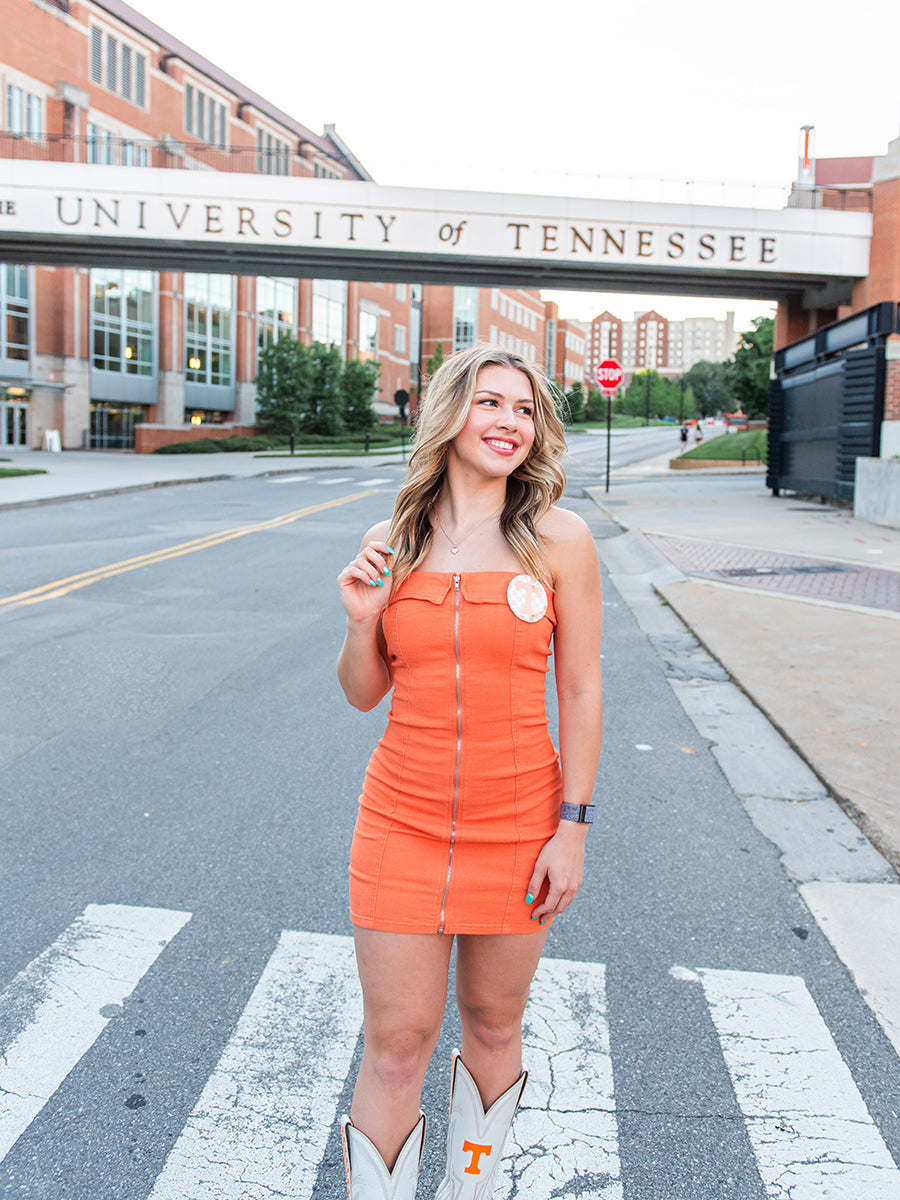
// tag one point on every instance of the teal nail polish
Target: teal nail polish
(371, 583)
(386, 571)
(390, 550)
(533, 915)
(529, 899)
(381, 583)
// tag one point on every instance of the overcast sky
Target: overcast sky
(572, 97)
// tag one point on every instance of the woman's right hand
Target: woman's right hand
(365, 582)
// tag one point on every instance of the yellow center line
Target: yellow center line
(61, 587)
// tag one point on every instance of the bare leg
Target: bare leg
(404, 983)
(493, 975)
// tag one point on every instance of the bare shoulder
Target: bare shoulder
(569, 545)
(377, 533)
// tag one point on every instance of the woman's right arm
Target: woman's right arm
(365, 587)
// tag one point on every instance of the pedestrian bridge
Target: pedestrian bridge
(165, 220)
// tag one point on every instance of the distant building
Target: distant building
(652, 342)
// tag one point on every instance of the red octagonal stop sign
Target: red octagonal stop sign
(609, 375)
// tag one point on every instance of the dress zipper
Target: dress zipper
(458, 747)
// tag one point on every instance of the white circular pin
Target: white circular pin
(527, 598)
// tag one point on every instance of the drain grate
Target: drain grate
(818, 569)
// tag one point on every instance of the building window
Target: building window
(122, 321)
(15, 310)
(23, 112)
(118, 67)
(399, 339)
(368, 336)
(329, 304)
(322, 170)
(273, 156)
(276, 309)
(400, 291)
(208, 303)
(465, 316)
(204, 116)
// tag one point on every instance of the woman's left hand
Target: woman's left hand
(561, 865)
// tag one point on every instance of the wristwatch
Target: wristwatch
(582, 813)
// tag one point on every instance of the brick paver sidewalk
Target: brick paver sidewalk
(785, 574)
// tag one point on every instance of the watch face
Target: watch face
(527, 598)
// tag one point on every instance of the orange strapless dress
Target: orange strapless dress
(464, 787)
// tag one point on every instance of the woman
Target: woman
(467, 826)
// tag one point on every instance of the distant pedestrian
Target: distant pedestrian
(698, 434)
(684, 435)
(468, 825)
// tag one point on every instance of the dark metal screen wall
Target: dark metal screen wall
(826, 404)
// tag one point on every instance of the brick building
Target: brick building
(567, 348)
(862, 184)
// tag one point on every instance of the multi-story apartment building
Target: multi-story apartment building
(652, 342)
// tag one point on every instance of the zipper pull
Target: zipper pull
(456, 583)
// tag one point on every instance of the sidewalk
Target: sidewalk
(800, 602)
(83, 473)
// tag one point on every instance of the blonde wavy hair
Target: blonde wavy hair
(531, 489)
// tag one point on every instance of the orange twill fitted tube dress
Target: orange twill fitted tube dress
(464, 788)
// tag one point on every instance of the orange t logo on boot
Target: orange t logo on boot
(476, 1151)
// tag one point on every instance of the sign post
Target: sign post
(609, 375)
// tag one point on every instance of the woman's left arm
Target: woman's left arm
(576, 647)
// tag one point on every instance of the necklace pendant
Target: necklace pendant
(454, 549)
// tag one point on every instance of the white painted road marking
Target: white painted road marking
(264, 1118)
(329, 482)
(808, 1125)
(262, 1122)
(57, 1002)
(564, 1140)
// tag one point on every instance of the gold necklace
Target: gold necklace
(454, 548)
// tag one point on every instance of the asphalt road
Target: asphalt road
(172, 738)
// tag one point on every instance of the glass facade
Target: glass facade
(368, 336)
(208, 319)
(329, 308)
(122, 321)
(15, 313)
(465, 316)
(276, 308)
(112, 425)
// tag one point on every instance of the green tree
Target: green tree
(748, 371)
(284, 386)
(359, 382)
(595, 408)
(327, 397)
(710, 384)
(432, 364)
(575, 403)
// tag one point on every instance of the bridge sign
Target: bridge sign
(609, 375)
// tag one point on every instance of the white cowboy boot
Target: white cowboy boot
(475, 1140)
(367, 1176)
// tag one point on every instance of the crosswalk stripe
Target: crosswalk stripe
(564, 1141)
(809, 1127)
(58, 1003)
(263, 1119)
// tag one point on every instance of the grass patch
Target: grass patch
(751, 443)
(9, 472)
(619, 421)
(345, 443)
